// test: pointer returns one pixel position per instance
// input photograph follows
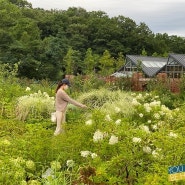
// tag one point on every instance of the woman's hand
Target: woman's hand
(84, 106)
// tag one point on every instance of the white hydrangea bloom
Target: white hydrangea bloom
(140, 115)
(172, 134)
(135, 102)
(28, 88)
(88, 122)
(136, 139)
(155, 127)
(118, 122)
(108, 118)
(98, 135)
(156, 116)
(85, 153)
(117, 109)
(113, 140)
(155, 153)
(70, 163)
(147, 149)
(147, 107)
(93, 155)
(139, 96)
(155, 103)
(145, 128)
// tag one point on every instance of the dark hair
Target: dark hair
(58, 86)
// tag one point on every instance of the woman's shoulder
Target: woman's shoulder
(60, 91)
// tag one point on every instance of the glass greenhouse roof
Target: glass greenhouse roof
(153, 63)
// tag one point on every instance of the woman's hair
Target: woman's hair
(58, 86)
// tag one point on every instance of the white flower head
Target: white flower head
(157, 116)
(108, 118)
(88, 122)
(93, 155)
(28, 88)
(118, 122)
(98, 135)
(149, 121)
(85, 153)
(113, 140)
(135, 102)
(155, 153)
(70, 163)
(147, 149)
(140, 115)
(136, 139)
(155, 127)
(117, 109)
(145, 128)
(172, 134)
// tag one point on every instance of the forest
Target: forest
(47, 44)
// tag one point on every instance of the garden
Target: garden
(123, 138)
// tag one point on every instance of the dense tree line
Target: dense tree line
(51, 43)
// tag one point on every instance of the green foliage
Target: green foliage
(123, 138)
(41, 40)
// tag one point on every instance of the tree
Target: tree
(89, 62)
(106, 64)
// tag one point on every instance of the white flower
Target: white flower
(154, 127)
(171, 134)
(108, 118)
(136, 139)
(117, 109)
(98, 135)
(139, 96)
(155, 153)
(85, 153)
(156, 116)
(117, 122)
(89, 122)
(155, 103)
(70, 163)
(94, 155)
(28, 89)
(113, 140)
(135, 102)
(147, 107)
(149, 121)
(140, 115)
(145, 128)
(147, 149)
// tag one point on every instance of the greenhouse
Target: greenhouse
(173, 66)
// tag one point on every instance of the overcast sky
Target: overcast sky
(161, 16)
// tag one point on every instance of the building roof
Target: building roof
(150, 65)
(180, 58)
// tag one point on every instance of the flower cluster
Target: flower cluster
(149, 110)
(87, 153)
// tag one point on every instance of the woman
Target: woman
(61, 101)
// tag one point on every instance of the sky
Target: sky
(161, 16)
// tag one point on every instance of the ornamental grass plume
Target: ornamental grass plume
(36, 105)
